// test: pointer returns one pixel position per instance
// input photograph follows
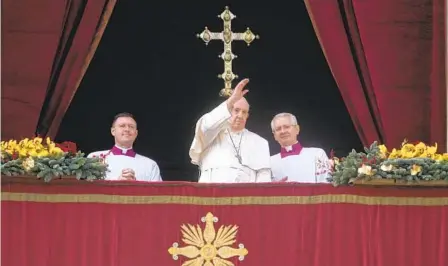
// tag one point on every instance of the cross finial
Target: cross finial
(227, 36)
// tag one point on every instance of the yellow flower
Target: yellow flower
(23, 143)
(416, 169)
(431, 150)
(420, 150)
(43, 153)
(383, 151)
(53, 150)
(395, 154)
(437, 157)
(35, 147)
(23, 153)
(32, 153)
(408, 151)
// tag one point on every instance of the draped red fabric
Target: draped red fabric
(387, 58)
(120, 224)
(46, 48)
(439, 83)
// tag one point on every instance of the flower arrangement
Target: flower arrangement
(411, 164)
(46, 159)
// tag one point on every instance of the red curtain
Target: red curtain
(120, 224)
(47, 46)
(387, 58)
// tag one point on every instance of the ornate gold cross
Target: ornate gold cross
(227, 36)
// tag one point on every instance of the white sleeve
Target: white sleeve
(208, 128)
(154, 173)
(274, 168)
(323, 167)
(264, 175)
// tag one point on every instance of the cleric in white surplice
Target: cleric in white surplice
(123, 162)
(224, 150)
(295, 163)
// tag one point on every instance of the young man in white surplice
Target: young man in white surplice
(123, 162)
(224, 150)
(296, 163)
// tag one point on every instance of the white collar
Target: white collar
(289, 148)
(123, 150)
(237, 133)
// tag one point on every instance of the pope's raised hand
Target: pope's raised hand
(238, 92)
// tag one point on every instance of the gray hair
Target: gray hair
(292, 118)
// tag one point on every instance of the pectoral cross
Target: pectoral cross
(227, 36)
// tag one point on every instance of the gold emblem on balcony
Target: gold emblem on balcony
(208, 247)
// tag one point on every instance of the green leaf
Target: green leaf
(66, 172)
(48, 177)
(56, 173)
(6, 172)
(74, 166)
(78, 174)
(52, 162)
(42, 174)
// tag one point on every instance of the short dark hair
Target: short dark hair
(124, 114)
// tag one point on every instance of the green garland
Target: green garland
(48, 168)
(346, 169)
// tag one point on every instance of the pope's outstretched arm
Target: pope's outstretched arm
(211, 124)
(207, 129)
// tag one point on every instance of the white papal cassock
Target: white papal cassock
(215, 150)
(306, 165)
(118, 159)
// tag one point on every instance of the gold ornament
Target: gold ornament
(208, 247)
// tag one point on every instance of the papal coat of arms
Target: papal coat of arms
(208, 247)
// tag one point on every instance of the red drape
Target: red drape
(46, 48)
(121, 224)
(387, 58)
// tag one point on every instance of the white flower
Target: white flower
(386, 168)
(365, 169)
